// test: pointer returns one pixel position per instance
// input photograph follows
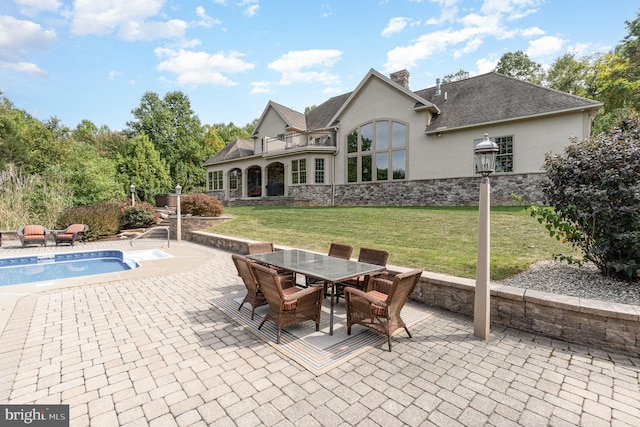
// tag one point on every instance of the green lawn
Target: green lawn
(437, 239)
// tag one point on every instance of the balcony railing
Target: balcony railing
(287, 141)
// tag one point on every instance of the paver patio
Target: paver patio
(148, 348)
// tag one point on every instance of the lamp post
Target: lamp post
(178, 215)
(485, 154)
(132, 188)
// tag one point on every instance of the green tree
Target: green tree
(140, 165)
(519, 65)
(457, 76)
(568, 74)
(176, 133)
(92, 177)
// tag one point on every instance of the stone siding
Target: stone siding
(432, 192)
(440, 192)
(596, 324)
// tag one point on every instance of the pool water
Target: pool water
(38, 268)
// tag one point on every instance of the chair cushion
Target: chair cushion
(290, 305)
(378, 310)
(64, 236)
(74, 228)
(31, 230)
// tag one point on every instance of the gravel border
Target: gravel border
(583, 282)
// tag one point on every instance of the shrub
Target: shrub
(201, 204)
(143, 214)
(103, 219)
(594, 187)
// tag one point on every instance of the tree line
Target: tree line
(166, 143)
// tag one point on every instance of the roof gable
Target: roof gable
(421, 103)
(294, 120)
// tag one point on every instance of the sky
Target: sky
(94, 59)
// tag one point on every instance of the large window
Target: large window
(319, 176)
(299, 171)
(375, 149)
(215, 180)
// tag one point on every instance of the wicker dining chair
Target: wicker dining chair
(379, 309)
(266, 247)
(287, 306)
(370, 256)
(254, 296)
(338, 250)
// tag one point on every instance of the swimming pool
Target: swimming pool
(48, 267)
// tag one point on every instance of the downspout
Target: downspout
(333, 170)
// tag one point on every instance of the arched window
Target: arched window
(376, 151)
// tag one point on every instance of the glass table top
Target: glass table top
(316, 265)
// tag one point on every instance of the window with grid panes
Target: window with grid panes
(319, 172)
(299, 171)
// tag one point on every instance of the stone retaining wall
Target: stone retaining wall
(598, 324)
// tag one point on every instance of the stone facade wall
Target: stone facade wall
(440, 192)
(432, 192)
(596, 324)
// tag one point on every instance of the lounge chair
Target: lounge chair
(70, 234)
(33, 235)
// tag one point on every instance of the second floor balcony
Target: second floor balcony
(301, 140)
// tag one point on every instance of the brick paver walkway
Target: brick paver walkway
(154, 351)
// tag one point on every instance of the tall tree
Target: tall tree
(519, 65)
(177, 134)
(568, 74)
(140, 165)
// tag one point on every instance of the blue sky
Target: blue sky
(94, 59)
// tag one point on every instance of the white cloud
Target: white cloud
(292, 66)
(448, 12)
(105, 16)
(32, 7)
(133, 30)
(113, 74)
(532, 32)
(466, 33)
(260, 87)
(201, 67)
(395, 25)
(205, 20)
(25, 67)
(545, 46)
(486, 65)
(16, 35)
(251, 7)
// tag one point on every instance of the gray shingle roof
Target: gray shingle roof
(319, 117)
(494, 97)
(235, 150)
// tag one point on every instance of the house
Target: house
(384, 144)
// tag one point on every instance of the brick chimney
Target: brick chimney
(401, 77)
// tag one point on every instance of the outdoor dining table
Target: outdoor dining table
(323, 267)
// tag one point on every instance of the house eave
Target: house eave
(439, 130)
